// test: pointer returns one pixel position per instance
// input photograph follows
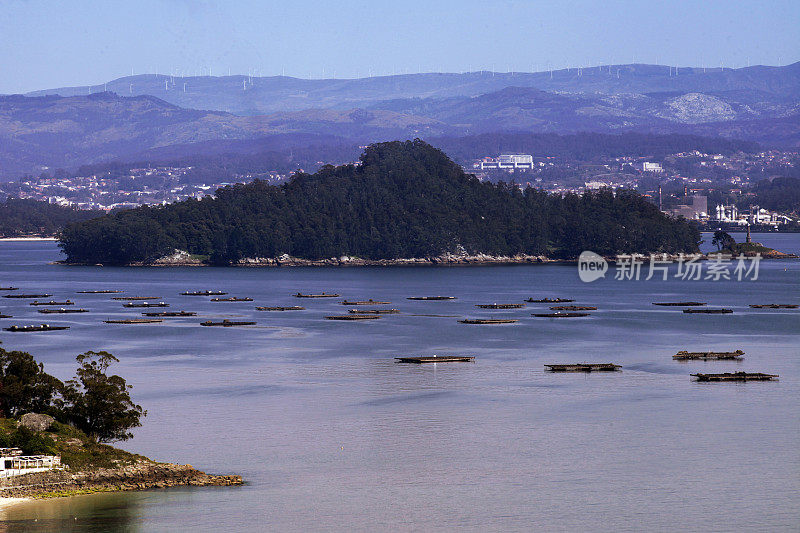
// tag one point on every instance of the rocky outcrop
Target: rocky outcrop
(138, 476)
(36, 422)
(444, 259)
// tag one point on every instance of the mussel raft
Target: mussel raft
(27, 295)
(560, 314)
(203, 293)
(61, 311)
(679, 304)
(227, 323)
(289, 308)
(583, 367)
(573, 308)
(549, 300)
(433, 298)
(40, 327)
(774, 306)
(683, 355)
(101, 291)
(373, 311)
(488, 320)
(436, 359)
(500, 306)
(231, 299)
(736, 376)
(320, 295)
(708, 311)
(364, 302)
(134, 321)
(352, 317)
(146, 304)
(52, 302)
(170, 313)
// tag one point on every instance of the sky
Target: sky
(49, 43)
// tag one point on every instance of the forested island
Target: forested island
(403, 200)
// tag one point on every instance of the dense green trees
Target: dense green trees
(405, 199)
(31, 217)
(98, 404)
(24, 385)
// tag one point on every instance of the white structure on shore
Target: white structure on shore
(13, 463)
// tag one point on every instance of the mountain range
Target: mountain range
(137, 116)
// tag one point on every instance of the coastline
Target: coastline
(21, 239)
(181, 260)
(141, 475)
(6, 502)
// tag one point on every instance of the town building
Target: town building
(508, 162)
(652, 167)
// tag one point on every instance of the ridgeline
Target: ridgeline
(404, 200)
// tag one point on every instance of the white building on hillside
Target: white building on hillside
(13, 463)
(508, 162)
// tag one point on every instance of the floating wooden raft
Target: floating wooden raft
(9, 288)
(684, 355)
(352, 317)
(232, 299)
(488, 320)
(227, 323)
(559, 314)
(203, 293)
(373, 311)
(290, 308)
(6, 316)
(134, 321)
(40, 327)
(321, 295)
(431, 298)
(134, 298)
(101, 291)
(436, 359)
(146, 304)
(735, 376)
(573, 308)
(583, 367)
(774, 306)
(549, 300)
(679, 304)
(364, 302)
(500, 306)
(709, 311)
(170, 313)
(27, 295)
(62, 311)
(52, 302)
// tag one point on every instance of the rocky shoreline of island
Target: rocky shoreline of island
(184, 259)
(142, 475)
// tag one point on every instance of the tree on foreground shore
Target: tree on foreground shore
(93, 401)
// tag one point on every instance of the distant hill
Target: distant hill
(243, 95)
(405, 199)
(44, 132)
(54, 131)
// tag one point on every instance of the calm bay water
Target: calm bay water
(331, 434)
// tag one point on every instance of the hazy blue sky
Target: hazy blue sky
(47, 44)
